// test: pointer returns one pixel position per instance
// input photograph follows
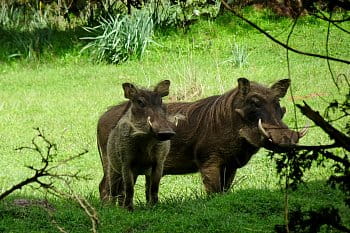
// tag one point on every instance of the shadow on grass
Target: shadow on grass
(39, 44)
(247, 210)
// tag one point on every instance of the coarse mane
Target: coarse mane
(210, 114)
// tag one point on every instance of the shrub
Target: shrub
(239, 55)
(119, 38)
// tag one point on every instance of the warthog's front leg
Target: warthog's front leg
(111, 185)
(210, 171)
(153, 183)
(128, 179)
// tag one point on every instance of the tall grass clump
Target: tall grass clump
(121, 37)
(239, 55)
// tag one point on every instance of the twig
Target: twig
(277, 41)
(84, 204)
(32, 179)
(327, 51)
(332, 21)
(48, 170)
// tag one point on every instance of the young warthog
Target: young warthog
(137, 145)
(222, 132)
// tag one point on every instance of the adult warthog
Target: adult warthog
(220, 133)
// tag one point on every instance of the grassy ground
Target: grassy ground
(66, 95)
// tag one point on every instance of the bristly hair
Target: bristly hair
(207, 115)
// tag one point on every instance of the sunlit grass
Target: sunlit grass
(66, 96)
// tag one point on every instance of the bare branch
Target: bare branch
(289, 148)
(289, 71)
(48, 170)
(325, 18)
(84, 204)
(340, 138)
(327, 52)
(277, 41)
(19, 186)
(332, 21)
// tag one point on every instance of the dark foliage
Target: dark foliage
(292, 165)
(293, 8)
(312, 221)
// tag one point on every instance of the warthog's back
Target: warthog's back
(220, 133)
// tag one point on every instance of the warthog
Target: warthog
(221, 133)
(137, 144)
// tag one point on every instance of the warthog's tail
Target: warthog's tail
(99, 149)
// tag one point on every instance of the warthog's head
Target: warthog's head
(261, 113)
(148, 113)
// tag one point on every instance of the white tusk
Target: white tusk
(304, 130)
(149, 121)
(176, 120)
(262, 130)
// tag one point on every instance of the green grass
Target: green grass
(66, 95)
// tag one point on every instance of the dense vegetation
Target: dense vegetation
(47, 82)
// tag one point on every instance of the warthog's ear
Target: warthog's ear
(243, 86)
(281, 87)
(129, 90)
(163, 88)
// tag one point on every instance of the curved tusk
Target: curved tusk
(149, 121)
(304, 130)
(262, 130)
(176, 120)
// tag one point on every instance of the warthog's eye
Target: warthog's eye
(255, 102)
(140, 103)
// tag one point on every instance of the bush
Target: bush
(119, 38)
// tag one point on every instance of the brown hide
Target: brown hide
(220, 133)
(134, 143)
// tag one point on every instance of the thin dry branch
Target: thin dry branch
(32, 179)
(335, 22)
(277, 41)
(46, 170)
(325, 18)
(83, 203)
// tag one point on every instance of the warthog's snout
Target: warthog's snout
(160, 129)
(165, 135)
(281, 136)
